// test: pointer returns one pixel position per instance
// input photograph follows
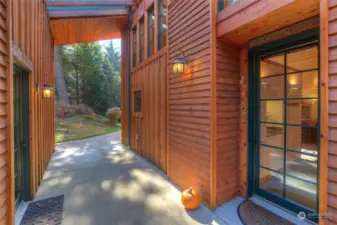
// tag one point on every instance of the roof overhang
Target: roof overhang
(90, 3)
(71, 24)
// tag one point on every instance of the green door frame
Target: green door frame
(254, 54)
(26, 131)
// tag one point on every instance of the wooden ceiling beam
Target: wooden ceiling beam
(87, 13)
(64, 3)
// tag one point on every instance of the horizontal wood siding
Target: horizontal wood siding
(228, 121)
(150, 124)
(332, 111)
(190, 95)
(5, 190)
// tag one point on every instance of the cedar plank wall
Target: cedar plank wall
(31, 33)
(228, 121)
(150, 78)
(332, 157)
(4, 189)
(190, 95)
(124, 106)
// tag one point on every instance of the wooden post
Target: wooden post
(213, 136)
(243, 120)
(324, 80)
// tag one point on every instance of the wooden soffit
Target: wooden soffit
(91, 2)
(249, 19)
(81, 30)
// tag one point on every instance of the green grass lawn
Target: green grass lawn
(82, 126)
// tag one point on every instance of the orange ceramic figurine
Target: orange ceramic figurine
(190, 199)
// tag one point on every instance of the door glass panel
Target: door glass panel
(272, 134)
(302, 166)
(302, 85)
(300, 59)
(302, 112)
(302, 138)
(301, 192)
(272, 87)
(271, 181)
(272, 65)
(289, 124)
(272, 158)
(272, 111)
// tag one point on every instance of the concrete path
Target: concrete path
(105, 183)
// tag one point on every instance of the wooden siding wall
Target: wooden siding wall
(150, 77)
(228, 121)
(332, 96)
(33, 50)
(5, 160)
(190, 95)
(124, 87)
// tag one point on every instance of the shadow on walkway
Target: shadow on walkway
(105, 183)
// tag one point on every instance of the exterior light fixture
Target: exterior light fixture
(47, 91)
(179, 65)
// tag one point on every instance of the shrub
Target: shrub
(113, 114)
(66, 110)
(83, 110)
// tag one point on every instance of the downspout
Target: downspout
(128, 74)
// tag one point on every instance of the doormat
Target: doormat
(46, 211)
(252, 214)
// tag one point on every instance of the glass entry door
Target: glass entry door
(286, 126)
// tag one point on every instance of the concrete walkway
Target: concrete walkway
(105, 183)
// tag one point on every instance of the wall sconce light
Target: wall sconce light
(179, 65)
(47, 91)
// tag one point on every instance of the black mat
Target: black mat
(43, 212)
(252, 214)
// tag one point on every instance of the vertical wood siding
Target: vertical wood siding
(124, 87)
(228, 121)
(190, 95)
(33, 44)
(150, 125)
(332, 95)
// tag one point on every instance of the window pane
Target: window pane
(301, 192)
(138, 101)
(272, 65)
(271, 181)
(134, 46)
(302, 166)
(302, 85)
(272, 87)
(272, 111)
(141, 40)
(272, 134)
(162, 28)
(150, 41)
(302, 59)
(272, 158)
(302, 138)
(302, 112)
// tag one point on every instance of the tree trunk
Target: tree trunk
(77, 87)
(59, 77)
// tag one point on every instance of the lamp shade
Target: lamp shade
(47, 91)
(178, 65)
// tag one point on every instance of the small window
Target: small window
(137, 101)
(141, 40)
(162, 24)
(150, 41)
(134, 46)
